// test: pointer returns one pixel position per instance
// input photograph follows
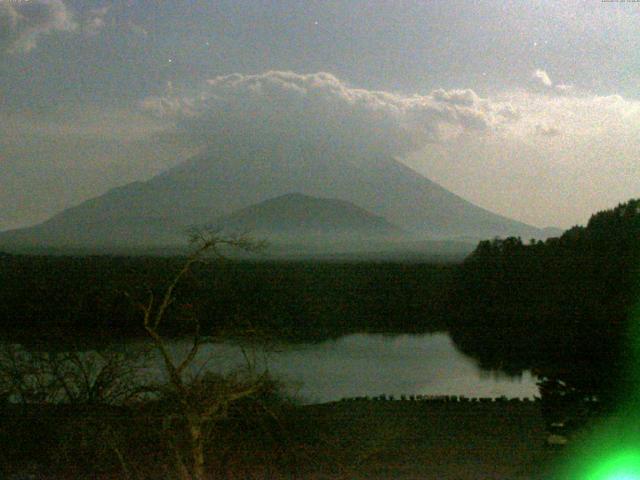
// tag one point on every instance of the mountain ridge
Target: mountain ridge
(230, 177)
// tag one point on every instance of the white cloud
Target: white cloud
(542, 77)
(22, 23)
(565, 156)
(579, 115)
(320, 108)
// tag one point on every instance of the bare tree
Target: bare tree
(85, 388)
(192, 401)
(204, 399)
(107, 376)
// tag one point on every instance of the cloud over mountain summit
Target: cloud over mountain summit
(320, 108)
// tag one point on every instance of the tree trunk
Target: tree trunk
(197, 448)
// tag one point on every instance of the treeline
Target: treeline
(56, 298)
(563, 307)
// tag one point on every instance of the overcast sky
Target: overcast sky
(528, 108)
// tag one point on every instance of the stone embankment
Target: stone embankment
(439, 399)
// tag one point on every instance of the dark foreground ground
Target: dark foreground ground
(353, 439)
(431, 440)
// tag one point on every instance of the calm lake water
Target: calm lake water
(370, 365)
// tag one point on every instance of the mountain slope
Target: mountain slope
(235, 176)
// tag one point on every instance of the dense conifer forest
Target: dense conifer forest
(566, 308)
(60, 298)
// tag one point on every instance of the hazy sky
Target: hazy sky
(528, 108)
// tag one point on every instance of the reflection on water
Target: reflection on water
(369, 365)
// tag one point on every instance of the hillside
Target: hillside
(298, 215)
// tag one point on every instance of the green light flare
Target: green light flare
(624, 465)
(612, 450)
(609, 448)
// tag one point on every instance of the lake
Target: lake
(371, 365)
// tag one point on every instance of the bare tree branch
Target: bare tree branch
(199, 402)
